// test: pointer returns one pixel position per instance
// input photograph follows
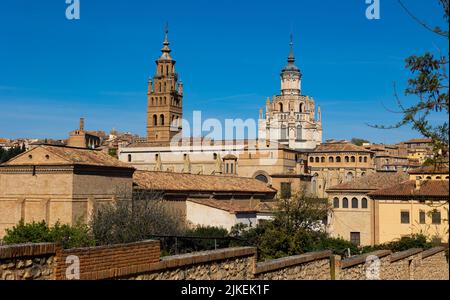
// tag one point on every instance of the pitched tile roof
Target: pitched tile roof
(420, 140)
(232, 206)
(340, 146)
(66, 156)
(433, 169)
(238, 206)
(171, 181)
(373, 181)
(407, 189)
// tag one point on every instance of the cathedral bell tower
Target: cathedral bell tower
(164, 99)
(290, 75)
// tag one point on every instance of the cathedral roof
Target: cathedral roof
(291, 67)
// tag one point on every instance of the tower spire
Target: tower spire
(291, 58)
(166, 50)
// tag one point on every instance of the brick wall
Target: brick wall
(108, 261)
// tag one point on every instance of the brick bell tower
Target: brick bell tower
(164, 99)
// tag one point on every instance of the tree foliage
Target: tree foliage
(358, 141)
(125, 221)
(6, 155)
(429, 86)
(39, 232)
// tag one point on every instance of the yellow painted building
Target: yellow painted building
(386, 206)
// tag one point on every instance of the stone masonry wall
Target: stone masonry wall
(27, 261)
(223, 264)
(314, 265)
(141, 261)
(412, 264)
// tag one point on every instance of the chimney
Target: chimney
(81, 124)
(418, 184)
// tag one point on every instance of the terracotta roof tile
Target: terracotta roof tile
(407, 189)
(70, 156)
(171, 181)
(434, 169)
(340, 146)
(420, 140)
(374, 181)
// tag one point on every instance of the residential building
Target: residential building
(335, 162)
(353, 209)
(210, 200)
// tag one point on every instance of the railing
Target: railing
(173, 244)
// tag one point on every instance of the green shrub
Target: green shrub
(404, 243)
(69, 236)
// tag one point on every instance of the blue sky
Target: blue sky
(229, 55)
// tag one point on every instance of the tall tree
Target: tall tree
(430, 86)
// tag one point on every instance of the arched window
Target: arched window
(161, 70)
(438, 177)
(155, 120)
(354, 203)
(314, 185)
(311, 159)
(446, 177)
(301, 107)
(280, 105)
(429, 177)
(262, 178)
(317, 159)
(284, 132)
(352, 159)
(331, 159)
(322, 159)
(299, 132)
(364, 203)
(365, 159)
(338, 159)
(167, 70)
(360, 159)
(347, 159)
(345, 203)
(349, 176)
(363, 174)
(165, 90)
(336, 202)
(129, 157)
(161, 119)
(160, 86)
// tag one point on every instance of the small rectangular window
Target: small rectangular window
(436, 217)
(355, 238)
(421, 217)
(285, 190)
(404, 216)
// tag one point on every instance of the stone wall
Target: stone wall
(141, 261)
(27, 261)
(226, 264)
(314, 265)
(412, 264)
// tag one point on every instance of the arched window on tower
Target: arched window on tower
(165, 89)
(347, 159)
(161, 118)
(161, 70)
(352, 159)
(167, 70)
(280, 105)
(302, 108)
(284, 132)
(349, 176)
(331, 159)
(299, 133)
(155, 120)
